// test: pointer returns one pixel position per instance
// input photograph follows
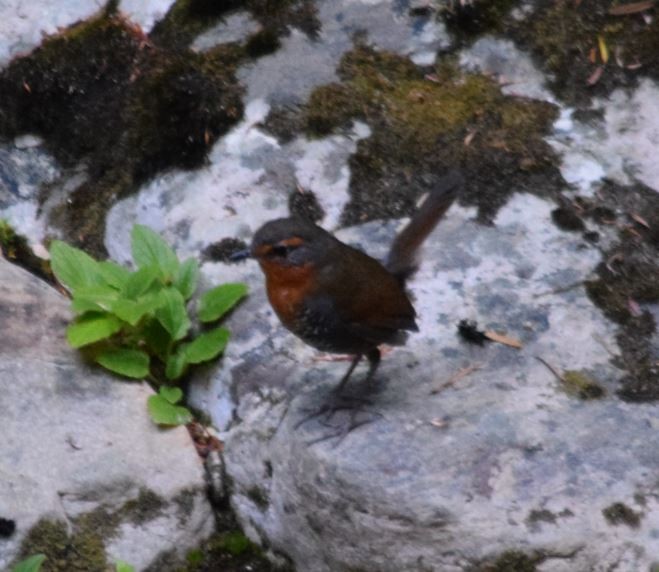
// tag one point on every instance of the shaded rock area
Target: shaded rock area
(507, 462)
(86, 476)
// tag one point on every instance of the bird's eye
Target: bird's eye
(283, 248)
(279, 250)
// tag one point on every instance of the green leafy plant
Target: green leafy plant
(163, 408)
(30, 564)
(121, 566)
(136, 323)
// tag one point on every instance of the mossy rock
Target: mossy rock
(424, 124)
(581, 385)
(573, 39)
(78, 552)
(69, 90)
(100, 93)
(510, 561)
(15, 248)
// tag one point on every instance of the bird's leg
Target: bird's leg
(373, 357)
(358, 416)
(346, 377)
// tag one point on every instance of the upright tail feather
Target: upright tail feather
(403, 259)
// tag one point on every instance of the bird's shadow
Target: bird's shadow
(339, 414)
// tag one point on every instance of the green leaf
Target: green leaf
(73, 267)
(172, 313)
(186, 278)
(207, 346)
(31, 564)
(171, 394)
(157, 338)
(94, 298)
(121, 566)
(218, 301)
(140, 281)
(91, 328)
(113, 274)
(151, 250)
(127, 362)
(236, 543)
(164, 413)
(132, 311)
(176, 364)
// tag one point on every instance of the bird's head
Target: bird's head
(290, 242)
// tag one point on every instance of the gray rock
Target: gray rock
(452, 473)
(78, 448)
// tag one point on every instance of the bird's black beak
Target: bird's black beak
(239, 255)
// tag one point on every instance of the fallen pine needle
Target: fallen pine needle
(551, 368)
(640, 220)
(604, 50)
(595, 76)
(503, 339)
(457, 376)
(632, 8)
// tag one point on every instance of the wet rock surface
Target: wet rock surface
(86, 476)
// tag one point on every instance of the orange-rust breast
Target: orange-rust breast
(287, 287)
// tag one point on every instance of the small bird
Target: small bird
(337, 298)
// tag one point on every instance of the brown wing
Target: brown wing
(368, 297)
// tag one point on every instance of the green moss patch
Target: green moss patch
(581, 385)
(511, 561)
(79, 546)
(15, 248)
(147, 506)
(422, 125)
(589, 50)
(81, 551)
(228, 551)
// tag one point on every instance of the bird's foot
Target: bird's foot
(340, 416)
